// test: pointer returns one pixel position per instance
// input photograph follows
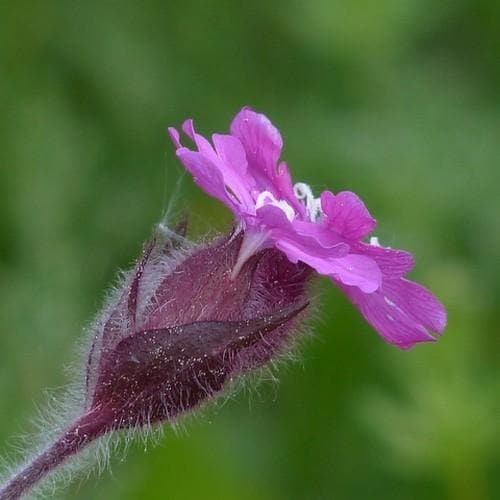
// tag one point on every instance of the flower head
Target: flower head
(190, 318)
(243, 170)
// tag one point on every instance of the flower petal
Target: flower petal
(355, 270)
(233, 164)
(174, 136)
(207, 175)
(392, 262)
(261, 140)
(300, 233)
(309, 243)
(221, 172)
(403, 312)
(319, 232)
(418, 302)
(204, 146)
(347, 214)
(352, 269)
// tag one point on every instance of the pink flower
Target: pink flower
(242, 169)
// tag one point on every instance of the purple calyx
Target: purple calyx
(170, 344)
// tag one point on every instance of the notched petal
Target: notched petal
(261, 140)
(403, 312)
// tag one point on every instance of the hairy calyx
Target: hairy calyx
(178, 330)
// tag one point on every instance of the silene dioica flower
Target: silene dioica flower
(189, 318)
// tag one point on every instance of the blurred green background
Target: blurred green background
(396, 100)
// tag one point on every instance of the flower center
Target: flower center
(313, 205)
(267, 198)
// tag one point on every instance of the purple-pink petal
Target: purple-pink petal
(263, 144)
(393, 263)
(280, 228)
(232, 162)
(418, 302)
(206, 174)
(348, 268)
(204, 146)
(356, 270)
(221, 172)
(322, 234)
(347, 214)
(174, 136)
(403, 312)
(261, 140)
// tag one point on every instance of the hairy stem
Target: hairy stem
(85, 430)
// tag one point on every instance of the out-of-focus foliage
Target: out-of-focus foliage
(396, 100)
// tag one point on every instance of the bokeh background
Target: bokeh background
(396, 100)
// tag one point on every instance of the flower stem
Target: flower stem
(85, 430)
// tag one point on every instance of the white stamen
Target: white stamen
(302, 191)
(267, 198)
(374, 241)
(313, 205)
